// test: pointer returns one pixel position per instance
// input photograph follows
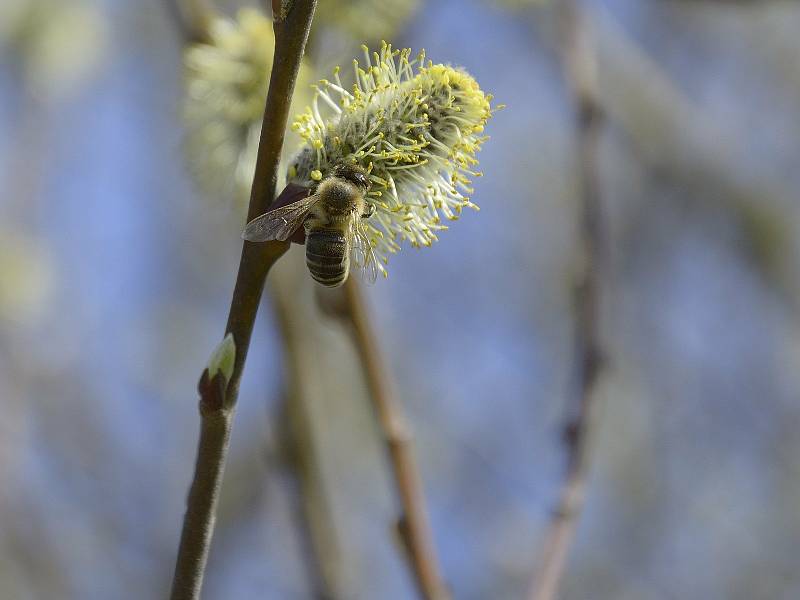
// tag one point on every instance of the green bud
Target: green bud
(223, 359)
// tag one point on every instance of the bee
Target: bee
(331, 218)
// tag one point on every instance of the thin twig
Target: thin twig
(307, 505)
(218, 399)
(413, 525)
(674, 137)
(579, 73)
(311, 510)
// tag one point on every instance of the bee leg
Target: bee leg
(369, 210)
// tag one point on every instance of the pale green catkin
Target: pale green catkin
(415, 127)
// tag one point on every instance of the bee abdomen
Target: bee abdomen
(327, 256)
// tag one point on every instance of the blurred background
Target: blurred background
(116, 269)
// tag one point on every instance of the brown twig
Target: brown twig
(674, 137)
(579, 73)
(311, 509)
(218, 397)
(413, 526)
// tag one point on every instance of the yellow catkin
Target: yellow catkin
(415, 126)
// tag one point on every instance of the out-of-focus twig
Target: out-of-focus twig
(217, 396)
(579, 70)
(675, 136)
(311, 508)
(338, 441)
(192, 17)
(311, 513)
(413, 525)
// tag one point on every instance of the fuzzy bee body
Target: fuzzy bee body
(331, 218)
(328, 256)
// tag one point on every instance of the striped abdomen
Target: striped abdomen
(327, 256)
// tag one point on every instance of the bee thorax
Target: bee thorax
(339, 197)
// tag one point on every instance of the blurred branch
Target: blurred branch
(192, 17)
(673, 135)
(338, 446)
(312, 511)
(218, 397)
(579, 71)
(413, 525)
(319, 366)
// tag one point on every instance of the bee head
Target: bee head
(354, 174)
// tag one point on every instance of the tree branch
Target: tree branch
(412, 525)
(311, 507)
(675, 137)
(578, 62)
(217, 396)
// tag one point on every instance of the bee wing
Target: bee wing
(279, 223)
(363, 255)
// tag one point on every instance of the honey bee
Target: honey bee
(332, 220)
